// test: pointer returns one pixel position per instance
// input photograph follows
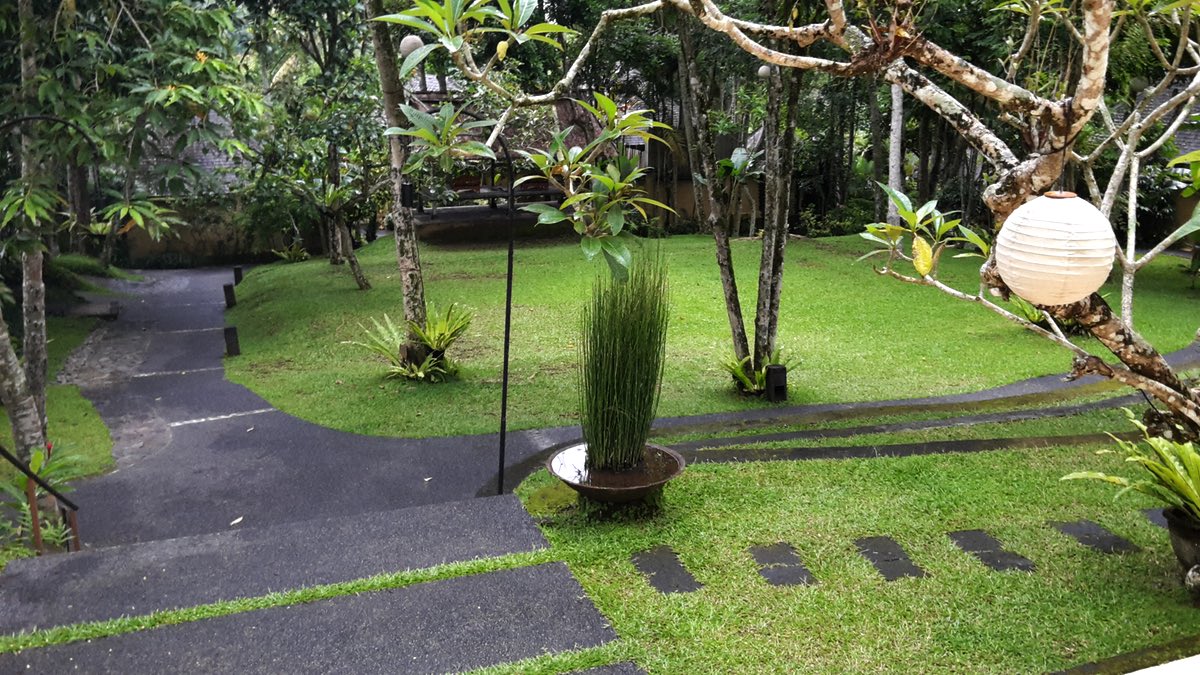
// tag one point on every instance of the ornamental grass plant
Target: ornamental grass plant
(622, 349)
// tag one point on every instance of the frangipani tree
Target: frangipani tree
(600, 185)
(884, 39)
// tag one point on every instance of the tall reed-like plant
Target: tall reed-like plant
(622, 348)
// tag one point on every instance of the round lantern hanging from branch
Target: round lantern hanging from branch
(1055, 250)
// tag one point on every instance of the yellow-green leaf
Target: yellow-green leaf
(922, 255)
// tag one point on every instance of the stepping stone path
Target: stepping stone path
(1155, 516)
(663, 570)
(780, 565)
(1094, 536)
(990, 551)
(441, 626)
(888, 557)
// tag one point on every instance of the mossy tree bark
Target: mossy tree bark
(407, 253)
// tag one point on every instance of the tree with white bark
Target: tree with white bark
(884, 40)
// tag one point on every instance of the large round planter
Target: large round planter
(660, 466)
(1185, 537)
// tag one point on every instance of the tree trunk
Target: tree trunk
(777, 137)
(33, 289)
(879, 156)
(407, 255)
(707, 172)
(352, 259)
(896, 151)
(33, 343)
(333, 222)
(20, 401)
(20, 405)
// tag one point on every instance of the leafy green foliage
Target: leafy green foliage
(441, 330)
(601, 193)
(293, 253)
(455, 22)
(622, 350)
(57, 469)
(441, 137)
(929, 230)
(1174, 471)
(748, 379)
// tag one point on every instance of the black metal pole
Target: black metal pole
(507, 320)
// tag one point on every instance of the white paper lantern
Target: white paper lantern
(1055, 250)
(410, 44)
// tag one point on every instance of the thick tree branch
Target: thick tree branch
(1009, 96)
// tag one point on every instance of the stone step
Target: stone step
(441, 626)
(138, 579)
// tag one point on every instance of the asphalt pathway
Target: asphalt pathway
(196, 452)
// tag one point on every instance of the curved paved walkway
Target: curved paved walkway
(196, 452)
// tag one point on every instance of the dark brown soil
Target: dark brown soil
(656, 466)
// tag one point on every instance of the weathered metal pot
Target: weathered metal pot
(1185, 537)
(661, 465)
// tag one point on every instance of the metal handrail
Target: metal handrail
(24, 468)
(71, 517)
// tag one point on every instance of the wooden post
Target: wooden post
(237, 275)
(230, 299)
(232, 348)
(34, 523)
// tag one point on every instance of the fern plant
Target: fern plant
(1174, 470)
(749, 380)
(384, 339)
(441, 330)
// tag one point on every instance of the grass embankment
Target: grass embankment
(1078, 606)
(74, 424)
(853, 336)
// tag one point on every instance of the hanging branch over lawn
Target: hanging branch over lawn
(894, 48)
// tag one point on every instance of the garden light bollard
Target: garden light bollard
(230, 298)
(237, 275)
(232, 348)
(776, 384)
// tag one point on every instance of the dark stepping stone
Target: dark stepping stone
(1093, 536)
(990, 551)
(443, 626)
(664, 571)
(1155, 516)
(780, 566)
(623, 668)
(888, 557)
(141, 578)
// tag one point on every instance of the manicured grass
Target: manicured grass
(89, 266)
(74, 424)
(854, 336)
(1078, 606)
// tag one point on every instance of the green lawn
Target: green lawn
(74, 424)
(854, 336)
(1078, 606)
